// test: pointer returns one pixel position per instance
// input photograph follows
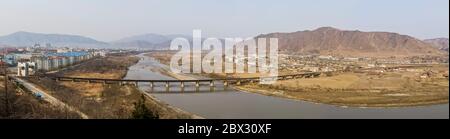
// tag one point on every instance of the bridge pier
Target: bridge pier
(225, 84)
(238, 82)
(182, 86)
(211, 85)
(167, 86)
(151, 85)
(104, 82)
(197, 86)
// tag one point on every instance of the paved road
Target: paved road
(52, 100)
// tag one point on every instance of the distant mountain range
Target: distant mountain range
(29, 39)
(151, 41)
(439, 43)
(332, 41)
(324, 41)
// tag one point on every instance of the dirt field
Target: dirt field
(361, 89)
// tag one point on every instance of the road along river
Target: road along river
(229, 103)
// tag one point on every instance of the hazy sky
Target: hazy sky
(108, 20)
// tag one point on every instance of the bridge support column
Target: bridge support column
(136, 84)
(211, 85)
(182, 86)
(225, 84)
(104, 83)
(151, 86)
(238, 82)
(167, 86)
(89, 81)
(197, 86)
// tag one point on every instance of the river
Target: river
(231, 104)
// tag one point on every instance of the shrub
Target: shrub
(141, 111)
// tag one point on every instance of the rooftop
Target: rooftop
(67, 54)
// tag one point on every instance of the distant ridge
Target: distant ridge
(439, 43)
(324, 41)
(332, 41)
(149, 41)
(23, 38)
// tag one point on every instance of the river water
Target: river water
(228, 103)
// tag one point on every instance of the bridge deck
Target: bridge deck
(182, 81)
(199, 80)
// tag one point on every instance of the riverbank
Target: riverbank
(380, 90)
(110, 101)
(360, 90)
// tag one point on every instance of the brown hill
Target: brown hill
(331, 41)
(439, 43)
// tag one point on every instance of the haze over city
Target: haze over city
(110, 20)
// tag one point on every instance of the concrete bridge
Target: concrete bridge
(212, 82)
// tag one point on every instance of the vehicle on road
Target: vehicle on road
(39, 95)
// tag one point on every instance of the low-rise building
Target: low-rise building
(26, 68)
